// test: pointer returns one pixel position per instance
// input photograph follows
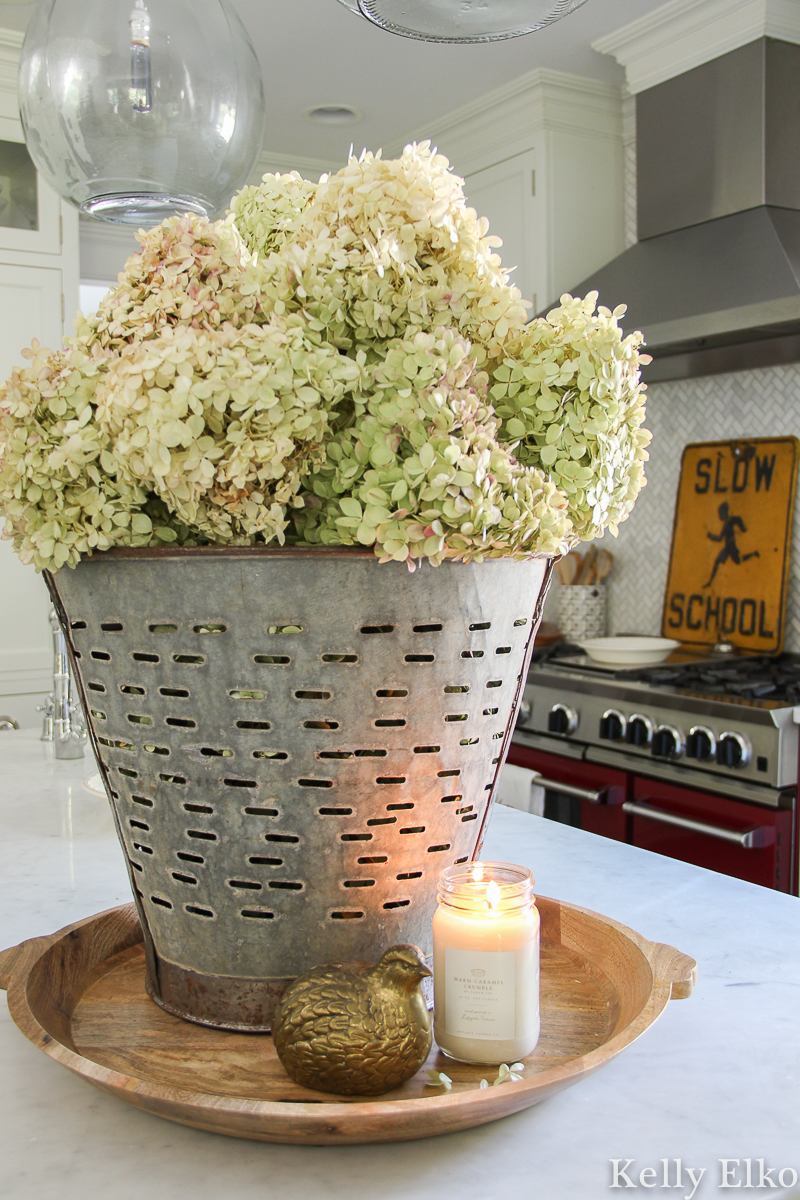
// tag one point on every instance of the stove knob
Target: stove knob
(700, 744)
(733, 750)
(667, 742)
(524, 712)
(639, 731)
(612, 725)
(562, 720)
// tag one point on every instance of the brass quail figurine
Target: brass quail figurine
(356, 1029)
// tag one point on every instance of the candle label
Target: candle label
(480, 993)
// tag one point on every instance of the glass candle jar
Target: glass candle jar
(486, 963)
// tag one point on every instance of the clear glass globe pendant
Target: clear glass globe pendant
(462, 20)
(136, 109)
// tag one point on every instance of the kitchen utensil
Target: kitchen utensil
(605, 562)
(629, 651)
(588, 567)
(570, 565)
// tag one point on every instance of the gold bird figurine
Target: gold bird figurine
(356, 1029)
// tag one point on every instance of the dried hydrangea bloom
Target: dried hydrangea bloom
(223, 424)
(206, 425)
(267, 214)
(421, 474)
(388, 245)
(190, 271)
(322, 375)
(569, 396)
(58, 500)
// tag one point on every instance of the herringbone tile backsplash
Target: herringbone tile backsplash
(763, 403)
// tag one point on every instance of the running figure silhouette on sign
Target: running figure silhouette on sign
(727, 535)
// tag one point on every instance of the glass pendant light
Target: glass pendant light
(462, 20)
(136, 109)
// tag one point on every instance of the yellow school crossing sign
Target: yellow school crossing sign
(729, 563)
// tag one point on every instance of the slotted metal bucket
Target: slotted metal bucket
(295, 743)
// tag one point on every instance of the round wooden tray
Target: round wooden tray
(79, 996)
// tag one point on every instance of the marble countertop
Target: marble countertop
(718, 1076)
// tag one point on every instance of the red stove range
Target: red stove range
(695, 759)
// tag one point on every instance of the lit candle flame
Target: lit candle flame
(493, 894)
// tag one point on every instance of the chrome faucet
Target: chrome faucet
(63, 719)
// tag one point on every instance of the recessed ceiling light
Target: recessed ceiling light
(333, 114)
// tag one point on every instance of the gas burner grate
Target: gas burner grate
(748, 678)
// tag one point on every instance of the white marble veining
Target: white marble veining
(717, 1076)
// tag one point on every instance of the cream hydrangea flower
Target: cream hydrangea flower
(569, 396)
(387, 245)
(190, 272)
(222, 424)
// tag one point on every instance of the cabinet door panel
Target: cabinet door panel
(504, 194)
(30, 307)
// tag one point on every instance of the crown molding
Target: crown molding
(687, 33)
(279, 164)
(501, 122)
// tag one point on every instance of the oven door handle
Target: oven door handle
(749, 839)
(570, 789)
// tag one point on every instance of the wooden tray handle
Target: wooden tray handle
(8, 960)
(672, 968)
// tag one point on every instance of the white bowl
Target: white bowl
(629, 651)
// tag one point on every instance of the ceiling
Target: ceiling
(317, 52)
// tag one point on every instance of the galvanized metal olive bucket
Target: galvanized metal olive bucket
(295, 743)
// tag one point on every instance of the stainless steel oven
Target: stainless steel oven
(696, 759)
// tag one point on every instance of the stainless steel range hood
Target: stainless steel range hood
(714, 281)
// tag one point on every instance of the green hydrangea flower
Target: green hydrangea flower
(570, 399)
(421, 475)
(266, 214)
(58, 502)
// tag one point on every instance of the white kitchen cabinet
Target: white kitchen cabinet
(30, 307)
(30, 211)
(505, 193)
(38, 299)
(558, 208)
(543, 158)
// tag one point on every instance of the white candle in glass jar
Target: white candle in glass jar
(486, 963)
